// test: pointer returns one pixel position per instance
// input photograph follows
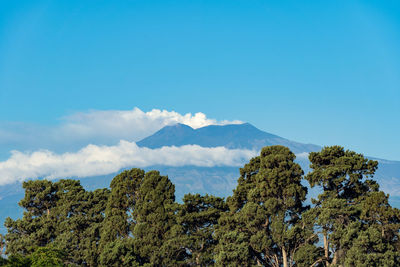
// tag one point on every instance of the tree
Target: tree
(17, 260)
(120, 220)
(344, 177)
(37, 227)
(121, 204)
(79, 233)
(47, 257)
(196, 221)
(119, 252)
(373, 240)
(264, 222)
(154, 214)
(61, 215)
(2, 245)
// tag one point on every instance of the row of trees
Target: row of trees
(137, 222)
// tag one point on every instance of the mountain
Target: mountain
(241, 136)
(248, 137)
(219, 181)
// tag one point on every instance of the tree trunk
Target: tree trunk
(326, 246)
(335, 257)
(284, 256)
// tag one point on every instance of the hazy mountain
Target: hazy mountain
(218, 181)
(230, 136)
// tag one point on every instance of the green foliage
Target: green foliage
(264, 222)
(79, 232)
(36, 228)
(60, 214)
(47, 257)
(265, 211)
(307, 255)
(17, 260)
(154, 214)
(370, 248)
(351, 209)
(119, 221)
(121, 204)
(196, 221)
(119, 252)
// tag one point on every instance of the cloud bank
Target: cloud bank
(131, 124)
(95, 127)
(95, 160)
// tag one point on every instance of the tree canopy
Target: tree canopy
(138, 222)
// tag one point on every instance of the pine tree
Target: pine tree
(196, 220)
(264, 222)
(47, 257)
(37, 227)
(79, 233)
(59, 215)
(121, 204)
(155, 217)
(345, 178)
(117, 227)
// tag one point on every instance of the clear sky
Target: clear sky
(323, 72)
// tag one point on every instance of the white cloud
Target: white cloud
(95, 160)
(95, 127)
(132, 124)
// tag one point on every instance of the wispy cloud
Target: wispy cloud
(95, 160)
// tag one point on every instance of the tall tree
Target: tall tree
(345, 178)
(37, 227)
(116, 247)
(155, 216)
(121, 204)
(265, 212)
(79, 233)
(60, 215)
(196, 221)
(373, 240)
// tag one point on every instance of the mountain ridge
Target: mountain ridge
(232, 136)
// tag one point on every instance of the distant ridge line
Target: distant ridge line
(233, 136)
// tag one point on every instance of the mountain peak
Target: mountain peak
(178, 126)
(233, 136)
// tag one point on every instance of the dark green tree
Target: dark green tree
(37, 227)
(117, 228)
(264, 223)
(155, 217)
(79, 231)
(18, 260)
(345, 180)
(47, 257)
(119, 252)
(196, 221)
(121, 204)
(61, 215)
(373, 240)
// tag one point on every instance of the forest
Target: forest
(267, 221)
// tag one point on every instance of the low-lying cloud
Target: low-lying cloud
(95, 160)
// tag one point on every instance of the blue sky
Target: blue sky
(312, 71)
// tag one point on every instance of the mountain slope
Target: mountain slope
(244, 136)
(219, 181)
